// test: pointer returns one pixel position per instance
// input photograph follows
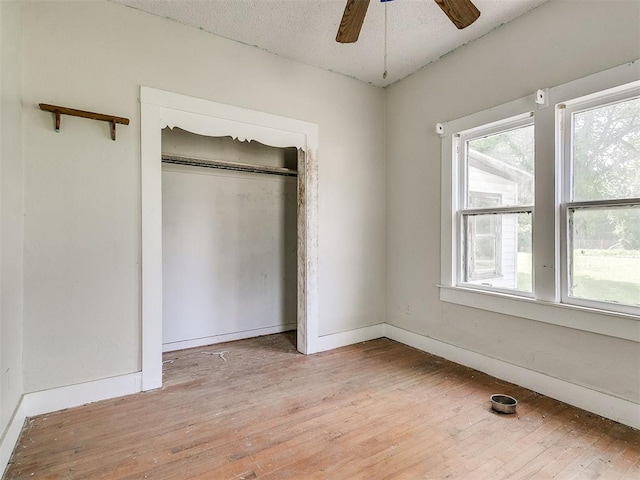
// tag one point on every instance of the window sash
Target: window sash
(569, 260)
(462, 211)
(461, 140)
(463, 276)
(564, 139)
(564, 127)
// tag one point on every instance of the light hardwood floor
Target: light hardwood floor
(377, 410)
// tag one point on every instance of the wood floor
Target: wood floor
(376, 410)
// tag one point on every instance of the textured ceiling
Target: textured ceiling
(418, 32)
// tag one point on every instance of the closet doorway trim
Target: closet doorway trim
(161, 109)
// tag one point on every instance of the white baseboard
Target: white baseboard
(614, 408)
(47, 401)
(11, 434)
(336, 340)
(228, 337)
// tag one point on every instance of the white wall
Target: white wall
(11, 212)
(82, 191)
(558, 42)
(228, 243)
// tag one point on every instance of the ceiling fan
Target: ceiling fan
(461, 12)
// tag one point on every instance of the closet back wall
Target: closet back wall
(229, 243)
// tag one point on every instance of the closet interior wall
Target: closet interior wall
(229, 242)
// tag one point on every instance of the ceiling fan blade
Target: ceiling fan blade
(352, 20)
(461, 12)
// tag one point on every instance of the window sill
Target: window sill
(602, 322)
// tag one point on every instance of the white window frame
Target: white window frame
(546, 305)
(462, 209)
(565, 112)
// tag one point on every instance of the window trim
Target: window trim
(520, 108)
(603, 322)
(547, 306)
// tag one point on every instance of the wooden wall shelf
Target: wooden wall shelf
(84, 114)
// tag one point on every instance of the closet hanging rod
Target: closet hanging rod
(241, 167)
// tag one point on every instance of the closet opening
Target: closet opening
(229, 239)
(160, 109)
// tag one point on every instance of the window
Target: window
(496, 199)
(601, 159)
(541, 206)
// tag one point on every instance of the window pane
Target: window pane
(606, 152)
(498, 251)
(500, 168)
(605, 254)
